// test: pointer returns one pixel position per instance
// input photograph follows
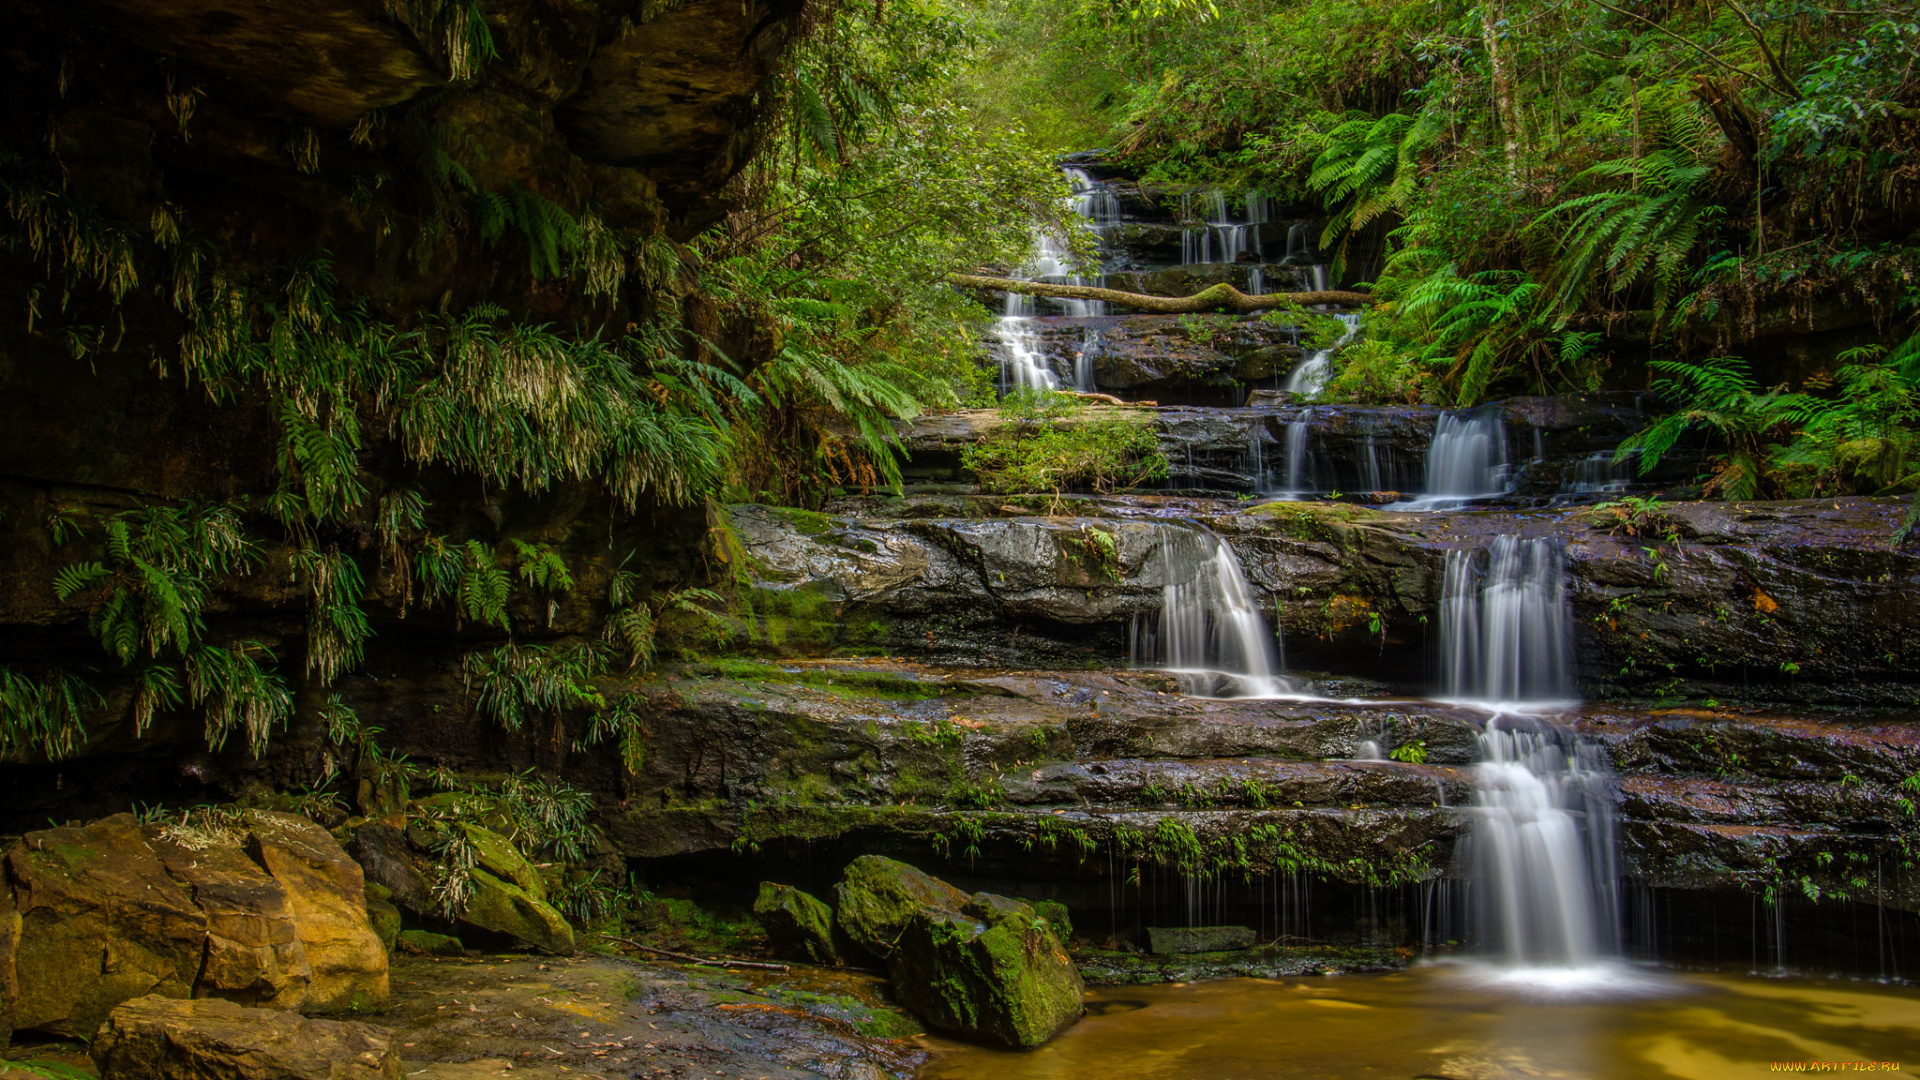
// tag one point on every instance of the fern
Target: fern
(154, 584)
(1646, 232)
(44, 715)
(1370, 169)
(238, 692)
(514, 683)
(337, 629)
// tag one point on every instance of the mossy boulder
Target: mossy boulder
(993, 972)
(798, 926)
(879, 896)
(497, 854)
(1057, 917)
(428, 943)
(1167, 940)
(158, 1038)
(383, 914)
(506, 908)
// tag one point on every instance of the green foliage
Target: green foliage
(468, 574)
(237, 692)
(1645, 231)
(44, 715)
(337, 630)
(150, 590)
(514, 683)
(624, 725)
(1413, 753)
(1370, 168)
(1051, 442)
(1098, 550)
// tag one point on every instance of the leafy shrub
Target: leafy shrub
(1051, 442)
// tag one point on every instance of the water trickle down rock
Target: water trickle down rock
(1208, 632)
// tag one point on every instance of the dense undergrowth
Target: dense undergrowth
(1545, 197)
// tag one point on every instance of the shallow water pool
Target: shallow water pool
(1460, 1021)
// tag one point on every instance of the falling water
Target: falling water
(1542, 847)
(1209, 631)
(1083, 363)
(1506, 631)
(1023, 365)
(1467, 460)
(1311, 375)
(1093, 201)
(1300, 454)
(1220, 238)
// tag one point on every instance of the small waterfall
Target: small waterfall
(1542, 847)
(1300, 454)
(1093, 201)
(1219, 238)
(1310, 376)
(1467, 460)
(1256, 282)
(1209, 631)
(1506, 632)
(1022, 365)
(1299, 245)
(1370, 468)
(1597, 473)
(1083, 363)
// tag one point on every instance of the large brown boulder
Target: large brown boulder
(261, 909)
(253, 950)
(100, 921)
(159, 1038)
(328, 894)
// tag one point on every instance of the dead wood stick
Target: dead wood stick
(692, 959)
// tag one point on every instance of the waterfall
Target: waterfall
(1256, 282)
(1542, 847)
(1300, 454)
(1596, 473)
(1506, 632)
(1370, 468)
(1299, 245)
(1083, 363)
(1093, 201)
(1219, 238)
(1209, 631)
(1023, 365)
(1310, 376)
(1467, 460)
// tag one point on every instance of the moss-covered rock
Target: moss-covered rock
(428, 943)
(497, 854)
(383, 914)
(1165, 940)
(880, 896)
(506, 908)
(993, 972)
(1057, 917)
(798, 926)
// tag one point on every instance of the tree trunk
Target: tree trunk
(1491, 16)
(1222, 297)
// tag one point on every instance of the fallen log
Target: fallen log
(1215, 297)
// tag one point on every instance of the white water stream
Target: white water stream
(1209, 631)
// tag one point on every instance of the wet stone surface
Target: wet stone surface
(548, 1018)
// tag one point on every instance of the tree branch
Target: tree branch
(1783, 83)
(1682, 39)
(1221, 296)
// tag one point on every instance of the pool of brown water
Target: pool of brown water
(1462, 1022)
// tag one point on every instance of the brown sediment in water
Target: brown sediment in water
(1439, 1021)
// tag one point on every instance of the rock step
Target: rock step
(1248, 782)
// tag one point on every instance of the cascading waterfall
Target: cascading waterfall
(1300, 454)
(1209, 631)
(1083, 363)
(1541, 849)
(1311, 374)
(1467, 460)
(1505, 631)
(1023, 364)
(1220, 238)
